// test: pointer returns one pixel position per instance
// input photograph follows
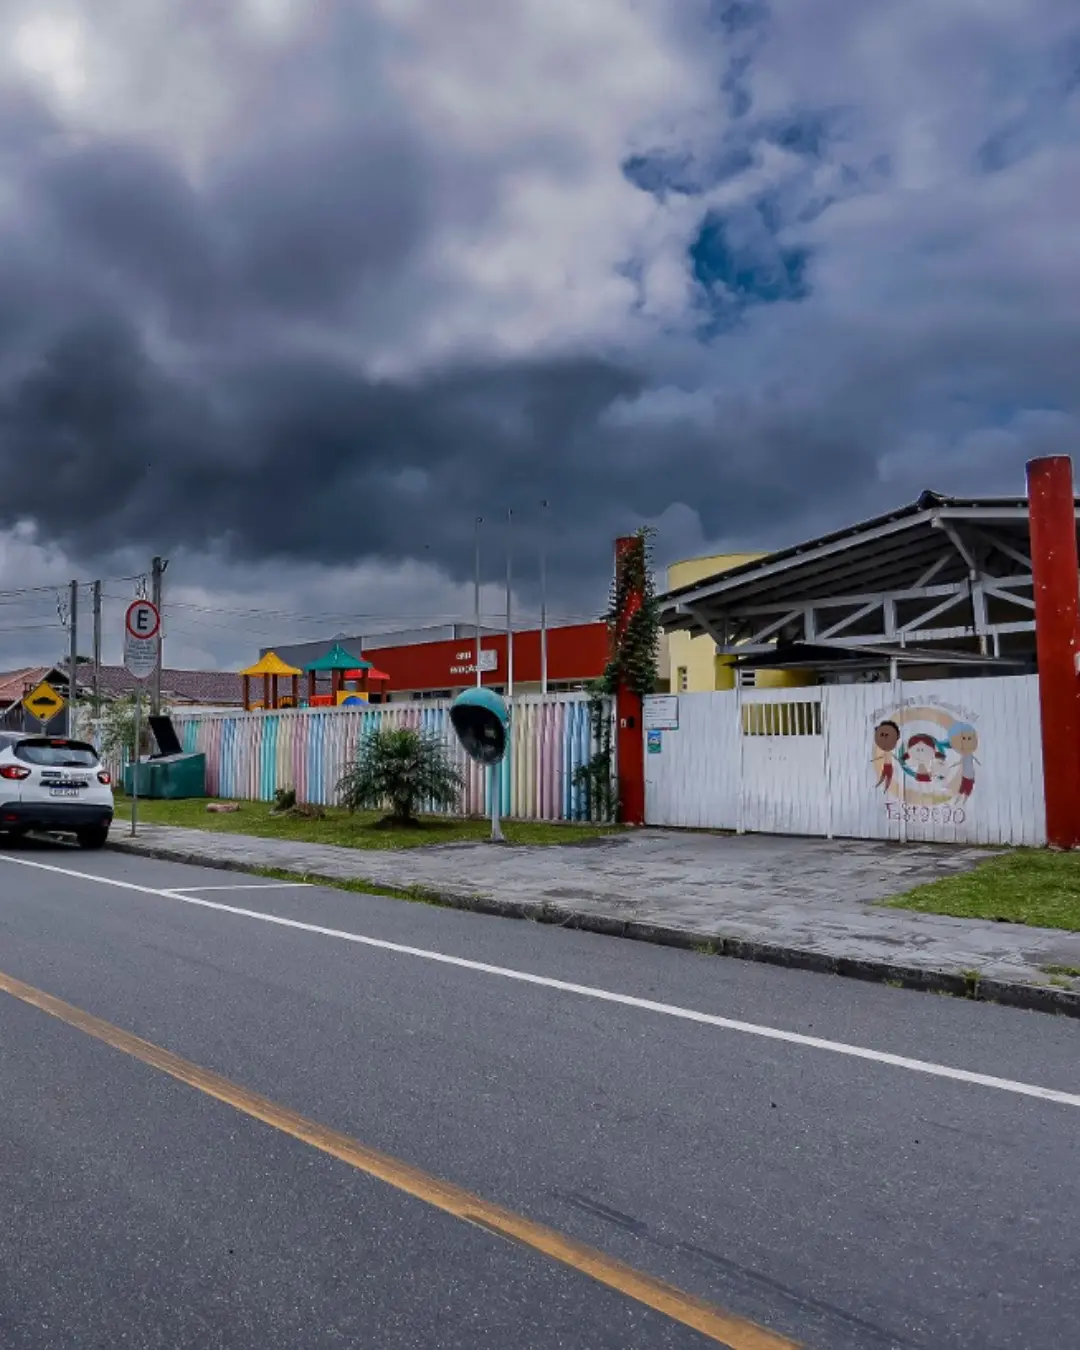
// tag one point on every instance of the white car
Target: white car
(55, 785)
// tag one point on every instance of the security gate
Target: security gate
(783, 769)
(951, 761)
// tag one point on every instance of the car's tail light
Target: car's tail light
(15, 772)
(105, 778)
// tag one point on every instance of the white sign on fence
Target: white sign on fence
(660, 712)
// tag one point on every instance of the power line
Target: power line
(55, 626)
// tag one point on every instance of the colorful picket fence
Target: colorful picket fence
(251, 755)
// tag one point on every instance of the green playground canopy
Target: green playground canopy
(337, 658)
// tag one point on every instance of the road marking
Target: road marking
(588, 991)
(247, 886)
(724, 1328)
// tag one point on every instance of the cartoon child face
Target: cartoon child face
(886, 736)
(922, 752)
(964, 740)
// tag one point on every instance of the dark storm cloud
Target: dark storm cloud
(186, 356)
(245, 439)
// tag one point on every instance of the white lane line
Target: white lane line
(247, 886)
(587, 991)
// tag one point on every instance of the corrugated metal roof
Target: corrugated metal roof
(802, 655)
(890, 551)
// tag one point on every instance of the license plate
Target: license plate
(64, 792)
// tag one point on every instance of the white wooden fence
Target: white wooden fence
(955, 761)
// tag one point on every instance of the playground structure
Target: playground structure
(344, 670)
(270, 670)
(351, 681)
(337, 663)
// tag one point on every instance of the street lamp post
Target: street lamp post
(543, 600)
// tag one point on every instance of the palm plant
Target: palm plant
(401, 768)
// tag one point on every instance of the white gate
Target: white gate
(953, 761)
(784, 786)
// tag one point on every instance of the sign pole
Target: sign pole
(495, 788)
(135, 763)
(142, 652)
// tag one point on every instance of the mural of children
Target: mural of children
(886, 738)
(921, 757)
(964, 739)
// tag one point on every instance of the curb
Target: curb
(1009, 993)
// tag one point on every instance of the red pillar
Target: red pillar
(1057, 641)
(630, 739)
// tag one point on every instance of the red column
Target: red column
(1057, 641)
(630, 739)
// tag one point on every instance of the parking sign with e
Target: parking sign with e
(143, 620)
(142, 624)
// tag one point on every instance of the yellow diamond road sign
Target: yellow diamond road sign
(44, 702)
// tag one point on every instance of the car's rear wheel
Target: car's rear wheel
(94, 836)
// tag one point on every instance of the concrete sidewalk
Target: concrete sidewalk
(799, 902)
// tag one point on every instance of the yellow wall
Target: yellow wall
(697, 655)
(704, 669)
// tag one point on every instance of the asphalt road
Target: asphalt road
(841, 1201)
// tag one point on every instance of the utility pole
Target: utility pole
(73, 657)
(97, 649)
(157, 571)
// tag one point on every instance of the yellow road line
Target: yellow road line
(722, 1327)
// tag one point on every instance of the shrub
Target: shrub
(403, 769)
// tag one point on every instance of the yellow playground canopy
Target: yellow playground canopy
(270, 669)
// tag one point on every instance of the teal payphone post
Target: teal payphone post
(481, 720)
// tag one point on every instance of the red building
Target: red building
(577, 654)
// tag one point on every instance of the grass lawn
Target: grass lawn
(1031, 886)
(351, 831)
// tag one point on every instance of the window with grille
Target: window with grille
(800, 717)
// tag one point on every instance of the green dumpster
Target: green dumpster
(168, 777)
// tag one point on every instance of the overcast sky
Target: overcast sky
(291, 293)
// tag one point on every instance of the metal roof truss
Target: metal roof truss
(989, 595)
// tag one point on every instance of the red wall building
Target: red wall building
(577, 653)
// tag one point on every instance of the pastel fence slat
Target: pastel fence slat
(253, 755)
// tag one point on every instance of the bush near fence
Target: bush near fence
(250, 756)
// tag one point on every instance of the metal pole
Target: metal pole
(97, 649)
(476, 600)
(495, 788)
(158, 571)
(135, 761)
(73, 659)
(1057, 641)
(509, 614)
(543, 601)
